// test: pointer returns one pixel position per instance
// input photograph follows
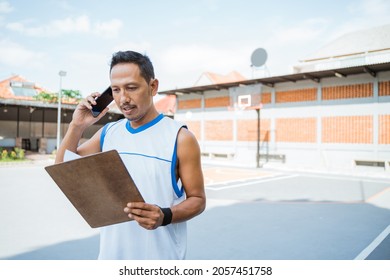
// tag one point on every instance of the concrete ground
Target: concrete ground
(262, 213)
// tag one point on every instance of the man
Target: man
(162, 156)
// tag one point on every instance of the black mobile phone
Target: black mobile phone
(102, 102)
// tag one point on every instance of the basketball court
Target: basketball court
(273, 214)
(251, 214)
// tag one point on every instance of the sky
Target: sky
(182, 38)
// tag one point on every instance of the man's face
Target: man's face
(132, 94)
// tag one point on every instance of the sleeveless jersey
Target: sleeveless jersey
(149, 154)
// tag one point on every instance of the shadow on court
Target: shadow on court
(80, 249)
(251, 214)
(287, 231)
(263, 231)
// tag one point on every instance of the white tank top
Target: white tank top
(149, 153)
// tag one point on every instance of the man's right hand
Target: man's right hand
(82, 116)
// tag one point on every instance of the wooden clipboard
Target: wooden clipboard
(99, 187)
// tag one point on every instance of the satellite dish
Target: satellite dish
(259, 57)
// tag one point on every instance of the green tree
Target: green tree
(67, 94)
(46, 97)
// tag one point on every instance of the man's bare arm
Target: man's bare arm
(191, 176)
(150, 216)
(81, 120)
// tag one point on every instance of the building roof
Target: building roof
(315, 76)
(166, 105)
(364, 41)
(17, 90)
(209, 78)
(363, 47)
(18, 87)
(363, 51)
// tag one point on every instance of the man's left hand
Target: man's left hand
(148, 216)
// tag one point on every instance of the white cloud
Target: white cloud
(81, 24)
(186, 63)
(371, 8)
(16, 55)
(205, 57)
(364, 14)
(5, 7)
(68, 25)
(64, 5)
(85, 71)
(108, 29)
(300, 33)
(179, 22)
(212, 5)
(291, 42)
(93, 76)
(141, 47)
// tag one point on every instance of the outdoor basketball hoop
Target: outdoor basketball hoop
(241, 106)
(241, 102)
(255, 107)
(237, 108)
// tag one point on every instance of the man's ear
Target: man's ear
(154, 86)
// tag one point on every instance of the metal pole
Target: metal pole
(43, 123)
(62, 74)
(18, 122)
(258, 139)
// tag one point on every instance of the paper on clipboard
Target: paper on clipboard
(99, 187)
(68, 155)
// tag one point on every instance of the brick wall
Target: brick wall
(347, 129)
(223, 101)
(301, 130)
(335, 130)
(384, 88)
(219, 130)
(266, 98)
(194, 127)
(299, 95)
(189, 104)
(384, 129)
(347, 91)
(247, 130)
(256, 99)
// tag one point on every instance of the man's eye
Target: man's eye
(131, 88)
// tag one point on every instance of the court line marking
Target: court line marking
(374, 244)
(376, 195)
(335, 177)
(214, 182)
(251, 183)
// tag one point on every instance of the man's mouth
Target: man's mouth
(127, 108)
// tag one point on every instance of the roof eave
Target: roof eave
(315, 76)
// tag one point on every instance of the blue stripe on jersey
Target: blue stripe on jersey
(142, 155)
(145, 126)
(179, 192)
(103, 135)
(104, 132)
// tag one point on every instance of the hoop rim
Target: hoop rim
(245, 108)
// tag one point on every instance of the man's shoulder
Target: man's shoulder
(110, 126)
(173, 122)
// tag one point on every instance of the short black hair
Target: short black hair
(143, 62)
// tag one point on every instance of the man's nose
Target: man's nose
(124, 97)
